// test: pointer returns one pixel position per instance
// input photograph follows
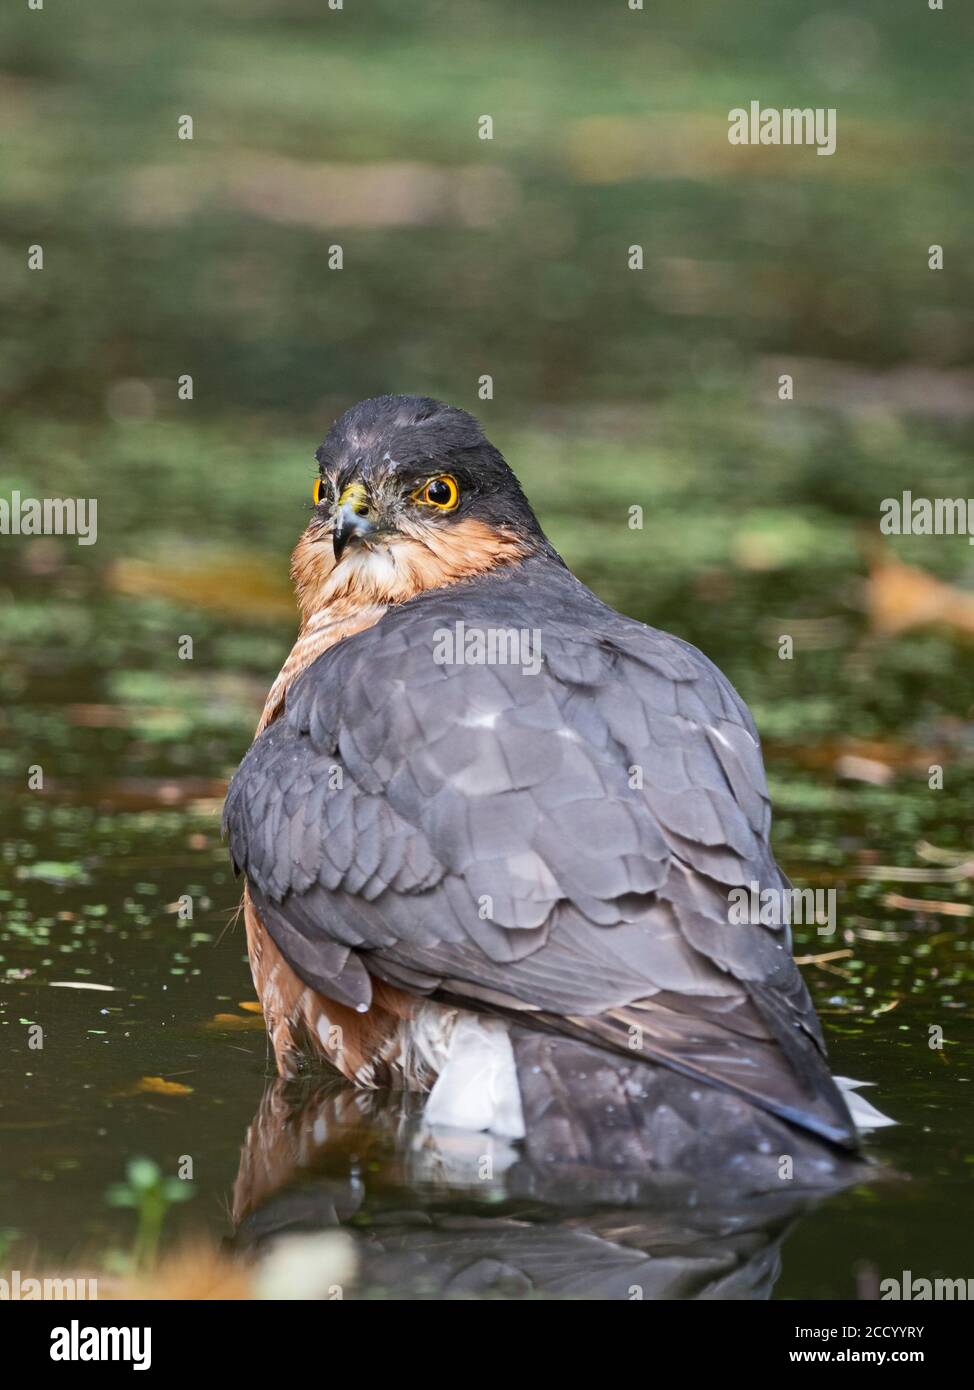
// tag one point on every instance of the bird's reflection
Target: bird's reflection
(448, 1213)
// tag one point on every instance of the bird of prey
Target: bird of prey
(490, 827)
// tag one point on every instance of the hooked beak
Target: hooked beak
(352, 518)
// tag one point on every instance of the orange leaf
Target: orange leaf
(159, 1086)
(235, 1022)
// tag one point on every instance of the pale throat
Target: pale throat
(336, 600)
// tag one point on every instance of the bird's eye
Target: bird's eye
(318, 492)
(441, 493)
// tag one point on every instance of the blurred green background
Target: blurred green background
(463, 257)
(611, 388)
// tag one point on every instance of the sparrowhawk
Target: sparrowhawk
(490, 827)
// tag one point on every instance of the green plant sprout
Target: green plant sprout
(151, 1195)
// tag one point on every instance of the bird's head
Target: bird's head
(409, 496)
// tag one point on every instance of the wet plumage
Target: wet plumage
(551, 848)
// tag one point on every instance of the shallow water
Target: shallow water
(73, 1112)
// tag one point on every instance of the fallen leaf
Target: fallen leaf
(842, 755)
(850, 768)
(235, 1022)
(159, 1086)
(900, 597)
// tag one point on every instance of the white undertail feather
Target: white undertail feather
(864, 1115)
(477, 1086)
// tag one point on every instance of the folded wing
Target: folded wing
(554, 841)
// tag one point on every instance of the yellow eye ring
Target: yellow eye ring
(442, 493)
(318, 492)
